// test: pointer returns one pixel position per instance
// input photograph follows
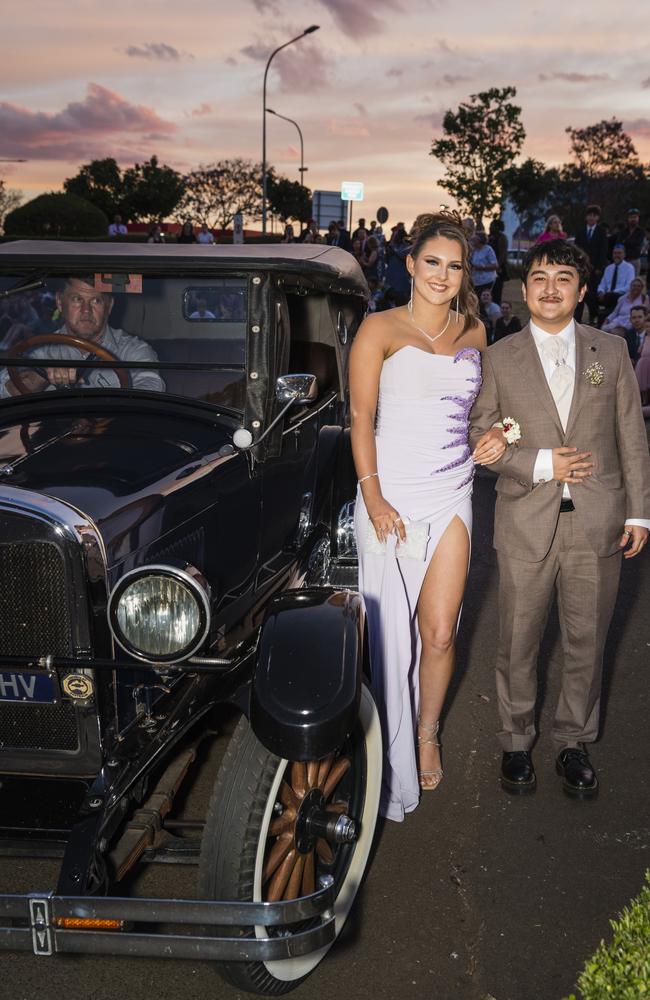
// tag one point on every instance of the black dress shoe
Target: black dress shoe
(574, 766)
(517, 772)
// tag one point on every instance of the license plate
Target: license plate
(28, 687)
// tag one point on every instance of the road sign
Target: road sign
(326, 207)
(352, 190)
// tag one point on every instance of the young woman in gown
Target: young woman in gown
(414, 374)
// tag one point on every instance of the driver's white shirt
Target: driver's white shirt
(124, 346)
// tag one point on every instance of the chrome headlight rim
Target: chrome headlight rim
(192, 579)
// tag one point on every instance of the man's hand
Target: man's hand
(570, 465)
(32, 382)
(62, 376)
(636, 537)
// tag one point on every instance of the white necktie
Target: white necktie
(555, 349)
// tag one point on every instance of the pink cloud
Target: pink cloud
(348, 127)
(201, 110)
(83, 129)
(432, 120)
(355, 18)
(156, 50)
(301, 68)
(639, 126)
(573, 77)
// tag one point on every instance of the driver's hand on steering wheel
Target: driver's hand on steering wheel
(62, 376)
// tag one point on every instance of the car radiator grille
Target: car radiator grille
(35, 617)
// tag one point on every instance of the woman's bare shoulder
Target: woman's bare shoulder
(475, 336)
(377, 328)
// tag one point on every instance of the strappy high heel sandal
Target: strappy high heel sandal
(436, 775)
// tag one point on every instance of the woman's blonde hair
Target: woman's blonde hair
(428, 226)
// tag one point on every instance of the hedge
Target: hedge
(56, 215)
(620, 970)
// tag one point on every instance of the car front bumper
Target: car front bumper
(211, 930)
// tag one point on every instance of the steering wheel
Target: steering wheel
(67, 340)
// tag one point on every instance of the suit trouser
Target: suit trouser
(586, 587)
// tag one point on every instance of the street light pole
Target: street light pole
(307, 31)
(302, 166)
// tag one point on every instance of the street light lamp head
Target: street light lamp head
(311, 29)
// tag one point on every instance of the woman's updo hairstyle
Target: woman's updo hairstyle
(430, 225)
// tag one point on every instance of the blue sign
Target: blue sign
(35, 688)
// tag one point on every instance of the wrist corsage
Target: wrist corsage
(511, 430)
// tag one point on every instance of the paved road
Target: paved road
(477, 896)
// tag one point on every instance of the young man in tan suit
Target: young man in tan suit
(573, 494)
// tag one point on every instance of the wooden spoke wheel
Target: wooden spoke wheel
(277, 829)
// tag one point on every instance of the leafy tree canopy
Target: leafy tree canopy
(9, 199)
(145, 191)
(214, 193)
(603, 148)
(481, 139)
(289, 199)
(528, 185)
(100, 183)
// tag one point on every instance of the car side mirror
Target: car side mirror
(296, 389)
(290, 390)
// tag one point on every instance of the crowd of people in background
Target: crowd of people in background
(616, 301)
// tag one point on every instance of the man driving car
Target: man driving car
(85, 313)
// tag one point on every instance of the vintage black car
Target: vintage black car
(175, 536)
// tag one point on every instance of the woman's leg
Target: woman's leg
(438, 608)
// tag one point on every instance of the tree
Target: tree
(151, 191)
(604, 170)
(56, 214)
(289, 199)
(528, 186)
(603, 149)
(145, 191)
(9, 199)
(480, 141)
(100, 183)
(216, 192)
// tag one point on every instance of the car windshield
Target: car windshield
(181, 336)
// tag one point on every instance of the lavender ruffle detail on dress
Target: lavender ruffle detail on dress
(465, 403)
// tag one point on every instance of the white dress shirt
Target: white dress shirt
(543, 470)
(624, 276)
(124, 346)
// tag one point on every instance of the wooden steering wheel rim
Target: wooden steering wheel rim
(65, 339)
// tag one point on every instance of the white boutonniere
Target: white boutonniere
(595, 373)
(511, 430)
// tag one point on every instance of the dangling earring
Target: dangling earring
(410, 301)
(457, 297)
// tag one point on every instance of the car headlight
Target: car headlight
(160, 613)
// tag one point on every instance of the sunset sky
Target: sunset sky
(184, 81)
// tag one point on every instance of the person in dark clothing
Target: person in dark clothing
(634, 333)
(632, 238)
(507, 323)
(592, 238)
(499, 243)
(186, 234)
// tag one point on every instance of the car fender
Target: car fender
(307, 682)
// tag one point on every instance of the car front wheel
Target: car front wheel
(256, 846)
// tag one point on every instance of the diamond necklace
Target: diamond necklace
(424, 332)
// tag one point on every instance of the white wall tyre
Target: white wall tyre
(248, 849)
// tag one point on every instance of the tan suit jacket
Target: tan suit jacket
(604, 419)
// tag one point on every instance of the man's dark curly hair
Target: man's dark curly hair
(557, 252)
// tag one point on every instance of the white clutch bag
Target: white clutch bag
(415, 546)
